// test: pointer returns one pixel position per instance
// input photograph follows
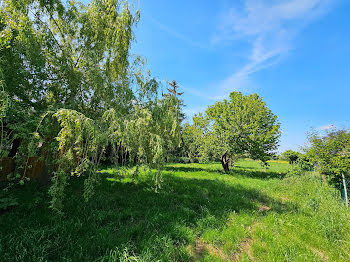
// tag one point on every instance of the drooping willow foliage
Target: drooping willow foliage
(82, 141)
(71, 91)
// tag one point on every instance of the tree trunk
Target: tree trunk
(225, 163)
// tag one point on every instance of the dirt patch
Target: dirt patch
(198, 251)
(322, 255)
(284, 199)
(245, 245)
(264, 208)
(218, 252)
(199, 248)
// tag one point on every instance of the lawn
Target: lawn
(199, 214)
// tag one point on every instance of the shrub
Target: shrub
(295, 170)
(331, 153)
(291, 156)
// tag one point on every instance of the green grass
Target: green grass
(200, 214)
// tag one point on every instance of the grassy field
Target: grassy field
(199, 214)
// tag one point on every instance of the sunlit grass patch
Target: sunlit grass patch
(278, 161)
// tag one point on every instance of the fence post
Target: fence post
(345, 191)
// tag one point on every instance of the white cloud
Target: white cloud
(327, 127)
(269, 27)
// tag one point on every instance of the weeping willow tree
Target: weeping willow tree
(71, 55)
(74, 89)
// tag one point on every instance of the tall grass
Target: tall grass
(200, 214)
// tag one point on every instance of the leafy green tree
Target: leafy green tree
(70, 88)
(291, 156)
(55, 55)
(173, 91)
(70, 55)
(194, 136)
(242, 125)
(331, 153)
(174, 153)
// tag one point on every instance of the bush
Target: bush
(331, 153)
(291, 156)
(305, 163)
(178, 159)
(295, 170)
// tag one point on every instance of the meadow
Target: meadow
(198, 214)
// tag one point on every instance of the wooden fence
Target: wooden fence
(34, 170)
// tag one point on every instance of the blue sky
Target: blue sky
(294, 53)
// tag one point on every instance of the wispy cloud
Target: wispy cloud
(196, 92)
(174, 33)
(327, 127)
(269, 27)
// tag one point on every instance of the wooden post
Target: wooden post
(345, 190)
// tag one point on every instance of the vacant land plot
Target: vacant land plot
(199, 214)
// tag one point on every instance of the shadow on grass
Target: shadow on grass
(250, 172)
(244, 167)
(260, 174)
(126, 214)
(185, 168)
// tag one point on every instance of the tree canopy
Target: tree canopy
(242, 125)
